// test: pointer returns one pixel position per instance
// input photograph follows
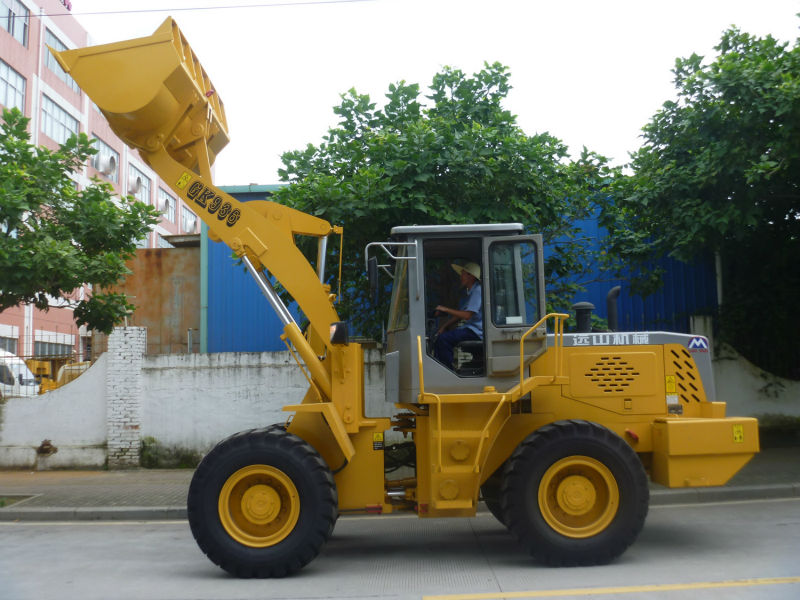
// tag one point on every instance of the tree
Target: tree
(719, 172)
(460, 157)
(53, 237)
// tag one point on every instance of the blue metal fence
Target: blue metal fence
(689, 289)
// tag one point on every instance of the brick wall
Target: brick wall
(126, 348)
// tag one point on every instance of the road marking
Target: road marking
(632, 589)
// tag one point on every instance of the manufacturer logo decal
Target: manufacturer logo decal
(206, 197)
(698, 344)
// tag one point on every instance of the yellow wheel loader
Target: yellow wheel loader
(557, 433)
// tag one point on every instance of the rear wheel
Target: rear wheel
(262, 503)
(575, 493)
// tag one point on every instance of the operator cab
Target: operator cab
(421, 262)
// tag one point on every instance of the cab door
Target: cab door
(514, 301)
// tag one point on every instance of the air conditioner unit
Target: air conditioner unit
(107, 164)
(134, 185)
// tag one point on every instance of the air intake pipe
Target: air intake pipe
(583, 316)
(611, 308)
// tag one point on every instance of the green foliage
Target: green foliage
(719, 172)
(53, 237)
(454, 156)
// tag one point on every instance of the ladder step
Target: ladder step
(453, 504)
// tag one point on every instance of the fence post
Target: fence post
(126, 349)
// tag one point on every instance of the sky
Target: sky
(591, 73)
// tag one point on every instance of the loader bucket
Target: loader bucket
(154, 93)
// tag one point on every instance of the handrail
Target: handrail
(434, 396)
(504, 400)
(558, 330)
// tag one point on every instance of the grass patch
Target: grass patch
(9, 500)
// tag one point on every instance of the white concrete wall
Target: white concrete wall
(750, 391)
(193, 401)
(73, 418)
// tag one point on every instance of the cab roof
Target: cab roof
(477, 228)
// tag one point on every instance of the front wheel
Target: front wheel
(262, 503)
(575, 493)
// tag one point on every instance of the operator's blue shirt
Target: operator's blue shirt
(472, 300)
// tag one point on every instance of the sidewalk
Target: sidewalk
(161, 494)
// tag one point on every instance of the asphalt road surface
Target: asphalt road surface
(738, 550)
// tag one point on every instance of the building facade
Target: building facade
(32, 81)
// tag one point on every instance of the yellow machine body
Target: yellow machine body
(159, 100)
(465, 438)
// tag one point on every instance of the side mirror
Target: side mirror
(372, 275)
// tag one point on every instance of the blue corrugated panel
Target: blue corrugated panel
(239, 317)
(689, 289)
(241, 320)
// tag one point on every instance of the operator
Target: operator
(470, 310)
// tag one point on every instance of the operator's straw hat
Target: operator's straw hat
(470, 268)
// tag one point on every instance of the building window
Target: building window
(163, 243)
(167, 205)
(106, 161)
(143, 243)
(15, 19)
(188, 220)
(12, 87)
(51, 349)
(9, 344)
(57, 124)
(139, 185)
(50, 60)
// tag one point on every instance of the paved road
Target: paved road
(402, 557)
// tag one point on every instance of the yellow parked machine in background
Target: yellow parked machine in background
(557, 433)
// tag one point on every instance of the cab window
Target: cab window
(514, 283)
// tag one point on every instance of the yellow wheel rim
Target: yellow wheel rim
(259, 506)
(578, 496)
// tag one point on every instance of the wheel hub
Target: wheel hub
(576, 495)
(261, 504)
(258, 506)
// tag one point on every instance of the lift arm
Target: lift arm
(158, 99)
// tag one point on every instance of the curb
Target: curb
(660, 497)
(95, 513)
(773, 491)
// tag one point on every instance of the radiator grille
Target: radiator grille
(687, 378)
(612, 374)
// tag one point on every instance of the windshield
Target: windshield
(22, 373)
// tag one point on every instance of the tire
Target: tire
(262, 503)
(491, 494)
(575, 493)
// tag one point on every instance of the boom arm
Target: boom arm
(158, 99)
